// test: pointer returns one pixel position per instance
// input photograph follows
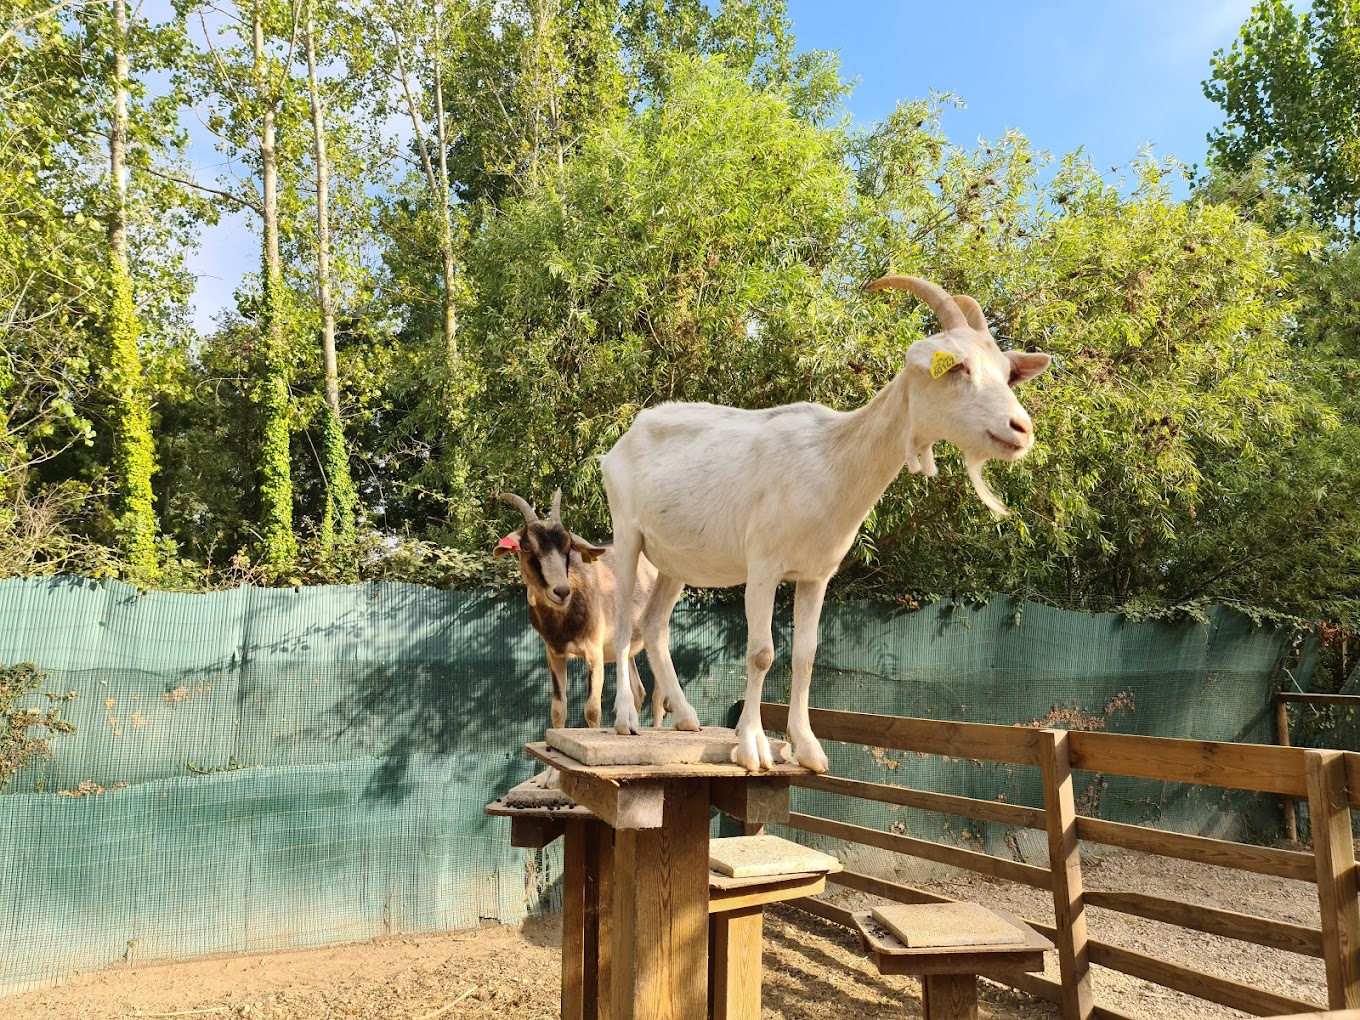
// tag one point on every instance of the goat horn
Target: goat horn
(972, 311)
(935, 296)
(557, 507)
(516, 501)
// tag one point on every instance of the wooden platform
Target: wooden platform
(712, 745)
(892, 957)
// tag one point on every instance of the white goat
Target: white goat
(717, 496)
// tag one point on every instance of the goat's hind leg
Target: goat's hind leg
(656, 633)
(627, 547)
(753, 747)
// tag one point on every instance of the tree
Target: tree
(1290, 91)
(245, 84)
(339, 512)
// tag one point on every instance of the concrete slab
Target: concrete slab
(752, 856)
(711, 745)
(933, 925)
(533, 793)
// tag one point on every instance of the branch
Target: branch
(245, 203)
(23, 23)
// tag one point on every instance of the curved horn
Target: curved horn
(529, 516)
(556, 513)
(972, 311)
(949, 314)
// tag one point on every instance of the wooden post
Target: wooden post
(1069, 904)
(734, 991)
(1291, 820)
(1334, 850)
(660, 959)
(599, 919)
(574, 927)
(949, 996)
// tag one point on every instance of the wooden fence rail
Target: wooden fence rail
(1328, 780)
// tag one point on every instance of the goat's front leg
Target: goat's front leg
(807, 612)
(753, 747)
(594, 657)
(656, 634)
(557, 665)
(627, 548)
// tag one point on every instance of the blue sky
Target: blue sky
(1108, 76)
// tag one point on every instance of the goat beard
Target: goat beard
(981, 487)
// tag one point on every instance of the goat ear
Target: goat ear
(509, 544)
(1025, 365)
(589, 551)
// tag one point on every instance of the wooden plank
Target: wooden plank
(1193, 982)
(1260, 860)
(966, 807)
(1261, 767)
(758, 800)
(826, 911)
(1069, 905)
(535, 833)
(1331, 1014)
(1299, 698)
(1287, 806)
(736, 964)
(723, 901)
(1016, 745)
(888, 890)
(1334, 849)
(574, 966)
(985, 864)
(1352, 759)
(949, 997)
(680, 770)
(599, 946)
(620, 805)
(1261, 931)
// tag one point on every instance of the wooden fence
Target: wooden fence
(1328, 780)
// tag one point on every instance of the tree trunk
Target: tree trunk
(442, 198)
(335, 467)
(134, 451)
(276, 488)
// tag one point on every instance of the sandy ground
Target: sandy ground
(814, 970)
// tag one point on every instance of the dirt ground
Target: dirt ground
(814, 970)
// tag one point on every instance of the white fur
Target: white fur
(717, 496)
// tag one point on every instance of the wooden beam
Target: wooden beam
(1298, 698)
(972, 860)
(1334, 848)
(735, 947)
(619, 805)
(756, 801)
(965, 807)
(1069, 905)
(1260, 860)
(534, 833)
(1194, 982)
(1259, 767)
(888, 890)
(1287, 807)
(1260, 931)
(599, 919)
(724, 901)
(1016, 745)
(660, 954)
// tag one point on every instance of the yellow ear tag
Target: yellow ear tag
(942, 363)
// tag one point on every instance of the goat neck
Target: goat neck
(872, 444)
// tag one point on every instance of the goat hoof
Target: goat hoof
(812, 757)
(753, 752)
(549, 779)
(686, 719)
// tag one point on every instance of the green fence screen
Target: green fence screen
(287, 768)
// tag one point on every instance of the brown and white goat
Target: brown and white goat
(717, 496)
(571, 588)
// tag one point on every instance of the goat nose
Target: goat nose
(562, 591)
(1022, 426)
